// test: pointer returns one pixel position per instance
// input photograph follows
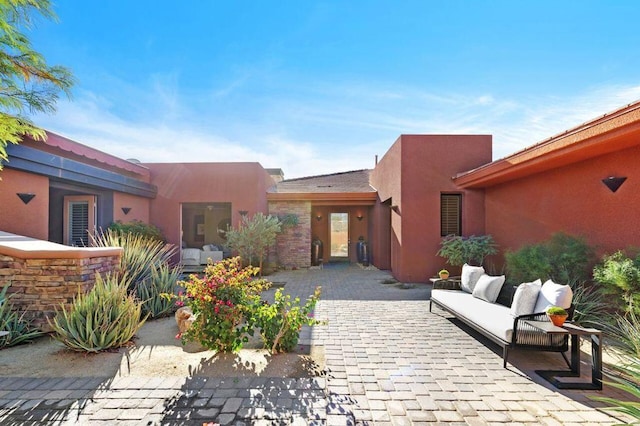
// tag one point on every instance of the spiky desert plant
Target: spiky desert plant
(630, 383)
(20, 330)
(140, 255)
(106, 317)
(162, 281)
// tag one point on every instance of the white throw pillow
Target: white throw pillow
(552, 294)
(525, 298)
(469, 277)
(488, 287)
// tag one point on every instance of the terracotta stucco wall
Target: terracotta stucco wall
(386, 178)
(244, 185)
(571, 199)
(415, 171)
(31, 220)
(139, 207)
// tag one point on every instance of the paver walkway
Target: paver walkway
(388, 361)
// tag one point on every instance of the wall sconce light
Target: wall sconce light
(243, 212)
(360, 217)
(613, 183)
(126, 210)
(319, 218)
(25, 196)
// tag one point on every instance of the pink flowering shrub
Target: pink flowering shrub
(227, 308)
(223, 302)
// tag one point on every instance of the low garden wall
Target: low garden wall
(42, 275)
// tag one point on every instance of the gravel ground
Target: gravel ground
(156, 352)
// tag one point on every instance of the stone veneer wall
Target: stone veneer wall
(293, 245)
(39, 286)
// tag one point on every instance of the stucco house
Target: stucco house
(583, 181)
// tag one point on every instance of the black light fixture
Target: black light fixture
(25, 196)
(360, 217)
(318, 217)
(243, 212)
(126, 210)
(613, 182)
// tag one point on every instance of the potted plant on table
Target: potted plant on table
(443, 274)
(557, 315)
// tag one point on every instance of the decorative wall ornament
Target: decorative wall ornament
(613, 182)
(25, 196)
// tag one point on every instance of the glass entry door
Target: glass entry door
(339, 223)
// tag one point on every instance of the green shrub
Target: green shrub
(619, 276)
(254, 236)
(528, 264)
(20, 330)
(140, 255)
(472, 250)
(163, 280)
(280, 322)
(563, 258)
(137, 227)
(106, 317)
(224, 303)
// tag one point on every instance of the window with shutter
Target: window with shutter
(79, 223)
(450, 214)
(79, 219)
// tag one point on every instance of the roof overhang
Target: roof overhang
(341, 198)
(612, 132)
(31, 160)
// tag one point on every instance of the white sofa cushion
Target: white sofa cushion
(469, 277)
(488, 287)
(492, 317)
(552, 294)
(525, 298)
(191, 256)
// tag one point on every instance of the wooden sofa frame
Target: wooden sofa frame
(524, 336)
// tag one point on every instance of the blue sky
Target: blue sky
(322, 87)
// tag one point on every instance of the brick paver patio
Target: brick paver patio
(388, 361)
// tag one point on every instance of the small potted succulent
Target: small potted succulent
(443, 274)
(557, 315)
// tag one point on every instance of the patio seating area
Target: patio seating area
(388, 361)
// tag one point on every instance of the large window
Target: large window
(450, 214)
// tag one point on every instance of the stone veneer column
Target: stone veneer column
(40, 286)
(293, 245)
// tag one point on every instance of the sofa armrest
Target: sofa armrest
(518, 325)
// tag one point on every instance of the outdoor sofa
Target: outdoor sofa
(195, 256)
(499, 311)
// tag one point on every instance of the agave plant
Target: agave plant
(140, 255)
(105, 317)
(163, 280)
(20, 330)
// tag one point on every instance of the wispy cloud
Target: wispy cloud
(321, 128)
